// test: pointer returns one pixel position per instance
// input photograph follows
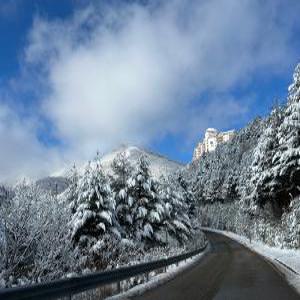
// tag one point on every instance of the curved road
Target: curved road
(228, 271)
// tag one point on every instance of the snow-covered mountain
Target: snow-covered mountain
(158, 164)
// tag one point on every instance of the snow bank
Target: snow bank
(157, 280)
(286, 260)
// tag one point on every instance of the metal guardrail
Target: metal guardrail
(71, 286)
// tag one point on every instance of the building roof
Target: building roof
(211, 129)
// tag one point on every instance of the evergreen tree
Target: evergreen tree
(122, 170)
(262, 181)
(188, 195)
(177, 222)
(291, 222)
(94, 207)
(259, 172)
(283, 176)
(147, 210)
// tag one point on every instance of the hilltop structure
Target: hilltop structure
(211, 139)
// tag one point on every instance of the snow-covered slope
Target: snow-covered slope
(159, 165)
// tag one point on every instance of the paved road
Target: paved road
(229, 271)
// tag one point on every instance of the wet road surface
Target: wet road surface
(229, 271)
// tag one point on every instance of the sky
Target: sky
(77, 77)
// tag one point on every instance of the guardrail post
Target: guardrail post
(119, 286)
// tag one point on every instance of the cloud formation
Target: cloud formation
(22, 154)
(131, 73)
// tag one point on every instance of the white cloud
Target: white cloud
(129, 73)
(21, 154)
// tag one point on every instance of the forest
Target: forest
(251, 184)
(99, 222)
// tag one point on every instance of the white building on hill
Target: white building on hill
(211, 139)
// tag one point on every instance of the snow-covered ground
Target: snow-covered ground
(286, 260)
(157, 280)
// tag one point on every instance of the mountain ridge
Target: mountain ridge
(158, 165)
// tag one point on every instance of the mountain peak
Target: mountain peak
(159, 165)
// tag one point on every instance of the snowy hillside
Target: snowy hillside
(159, 165)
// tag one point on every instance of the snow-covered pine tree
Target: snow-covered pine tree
(285, 168)
(147, 210)
(262, 181)
(94, 207)
(178, 222)
(122, 170)
(188, 195)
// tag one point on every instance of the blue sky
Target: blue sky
(77, 76)
(16, 20)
